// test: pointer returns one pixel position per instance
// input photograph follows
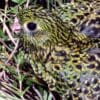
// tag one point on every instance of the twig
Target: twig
(39, 95)
(20, 81)
(5, 13)
(27, 3)
(5, 44)
(8, 31)
(13, 52)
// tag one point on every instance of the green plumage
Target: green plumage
(59, 54)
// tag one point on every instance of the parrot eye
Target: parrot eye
(31, 26)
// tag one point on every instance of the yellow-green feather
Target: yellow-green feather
(60, 55)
